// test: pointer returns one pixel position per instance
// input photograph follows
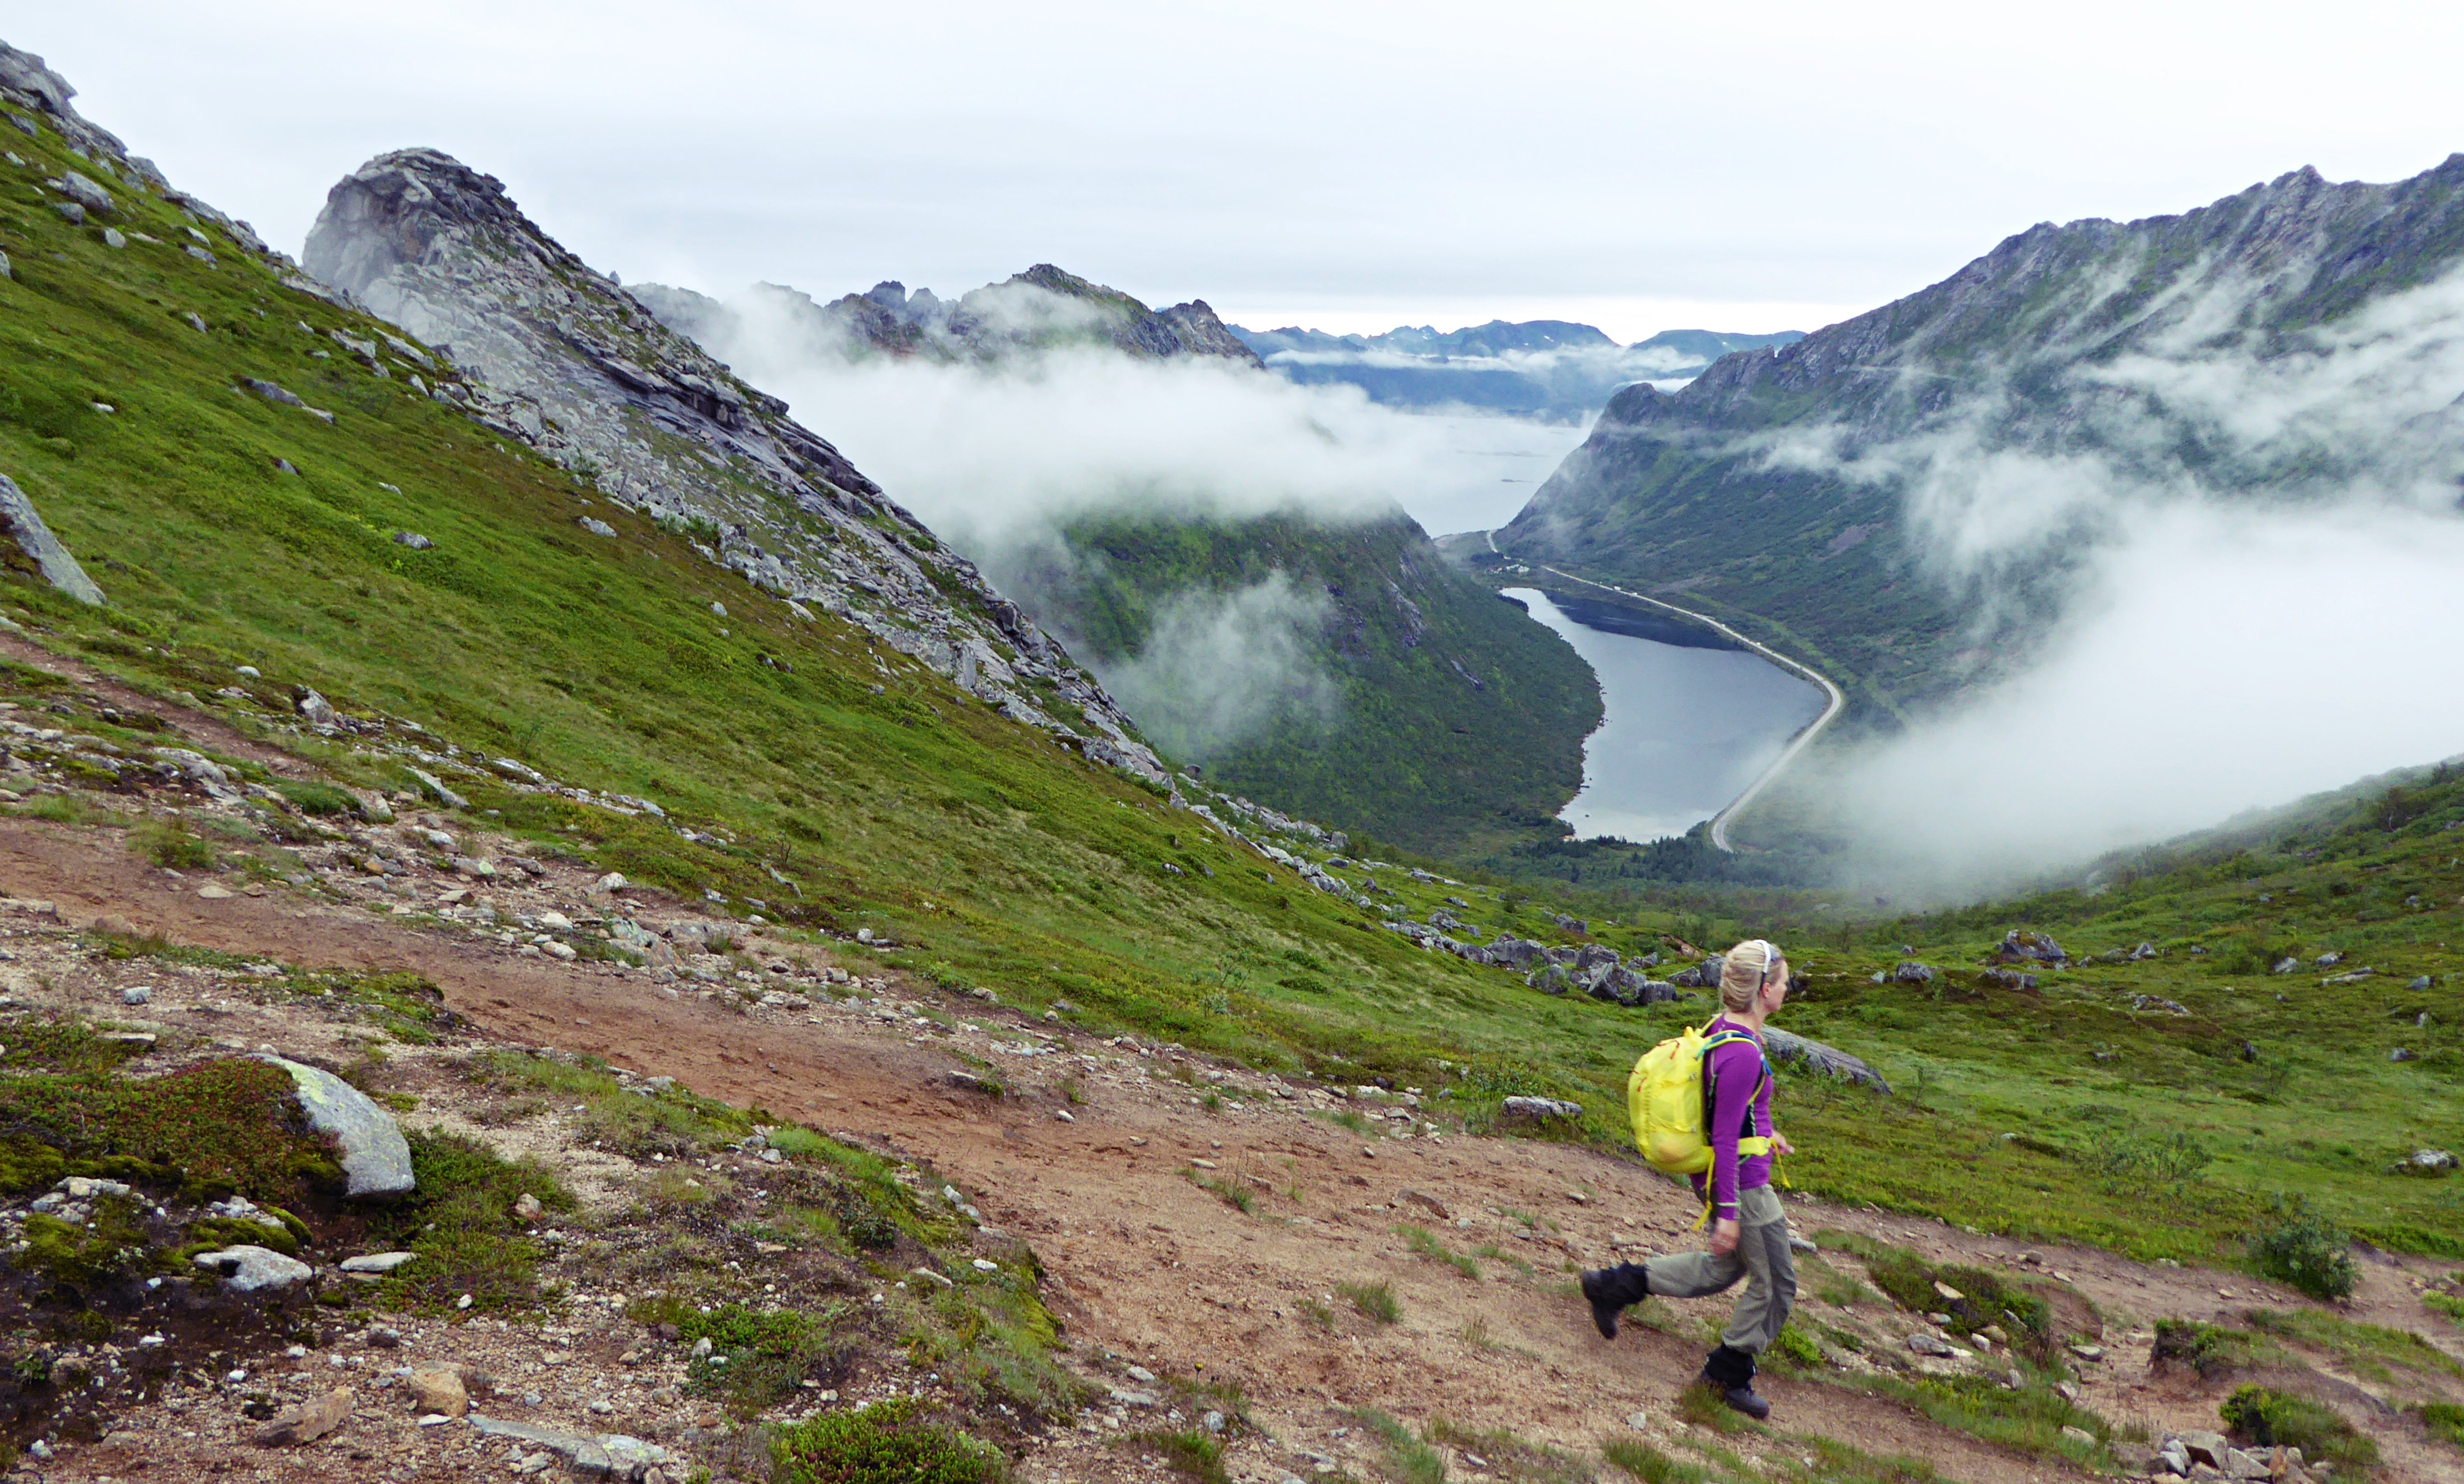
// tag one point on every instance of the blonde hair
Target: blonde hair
(1743, 972)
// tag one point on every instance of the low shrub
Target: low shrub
(2275, 1419)
(2445, 1421)
(224, 1126)
(1375, 1301)
(317, 798)
(460, 1221)
(2301, 1247)
(171, 846)
(2211, 1350)
(757, 1357)
(888, 1443)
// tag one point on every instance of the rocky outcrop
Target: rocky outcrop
(24, 525)
(376, 1158)
(564, 359)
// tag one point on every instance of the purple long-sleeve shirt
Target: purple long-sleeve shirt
(1735, 1069)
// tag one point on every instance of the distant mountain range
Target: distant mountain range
(1042, 309)
(1909, 497)
(1542, 368)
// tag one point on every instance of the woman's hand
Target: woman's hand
(1780, 1143)
(1724, 1238)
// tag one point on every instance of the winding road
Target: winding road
(1835, 704)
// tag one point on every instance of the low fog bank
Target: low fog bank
(2221, 663)
(2255, 560)
(1000, 459)
(1218, 668)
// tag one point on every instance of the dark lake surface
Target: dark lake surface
(1687, 730)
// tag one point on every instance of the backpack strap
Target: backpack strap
(1749, 1145)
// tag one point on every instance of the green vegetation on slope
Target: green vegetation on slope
(1453, 723)
(998, 858)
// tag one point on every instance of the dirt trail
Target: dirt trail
(1146, 1262)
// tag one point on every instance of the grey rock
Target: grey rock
(271, 392)
(249, 1268)
(6, 271)
(113, 237)
(22, 521)
(2400, 1053)
(2206, 1448)
(319, 711)
(377, 1263)
(1923, 1344)
(138, 996)
(196, 321)
(2420, 983)
(376, 1158)
(2159, 1004)
(414, 541)
(201, 255)
(1815, 1056)
(2286, 965)
(2022, 945)
(597, 527)
(87, 194)
(306, 1422)
(69, 211)
(443, 794)
(1539, 1108)
(1912, 972)
(605, 1456)
(1551, 979)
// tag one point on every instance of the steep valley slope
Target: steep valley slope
(1332, 665)
(1907, 498)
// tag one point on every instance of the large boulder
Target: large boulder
(1829, 1061)
(376, 1158)
(249, 1267)
(2022, 946)
(24, 524)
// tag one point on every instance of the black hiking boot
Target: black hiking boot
(1731, 1374)
(1609, 1290)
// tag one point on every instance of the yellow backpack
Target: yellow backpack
(1670, 1101)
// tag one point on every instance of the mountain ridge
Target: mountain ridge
(1776, 485)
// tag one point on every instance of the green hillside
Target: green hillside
(1455, 721)
(841, 787)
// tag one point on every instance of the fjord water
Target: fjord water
(1685, 730)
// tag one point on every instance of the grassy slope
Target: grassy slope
(1007, 861)
(1418, 756)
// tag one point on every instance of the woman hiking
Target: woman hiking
(1750, 1240)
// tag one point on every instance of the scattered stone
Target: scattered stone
(138, 996)
(196, 321)
(2400, 1053)
(2079, 1435)
(436, 1388)
(1949, 1294)
(1923, 1344)
(248, 1268)
(308, 1421)
(527, 1207)
(1539, 1108)
(213, 893)
(376, 1262)
(596, 526)
(1815, 1056)
(71, 211)
(414, 541)
(376, 1158)
(929, 1275)
(2088, 1352)
(608, 1455)
(2433, 1159)
(443, 794)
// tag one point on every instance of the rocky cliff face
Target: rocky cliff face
(1040, 310)
(566, 360)
(1913, 488)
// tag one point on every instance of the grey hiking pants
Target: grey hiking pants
(1762, 1259)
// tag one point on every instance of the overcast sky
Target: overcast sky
(1641, 166)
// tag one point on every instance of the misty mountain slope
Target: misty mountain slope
(377, 586)
(1040, 310)
(1340, 670)
(564, 359)
(1550, 369)
(1913, 494)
